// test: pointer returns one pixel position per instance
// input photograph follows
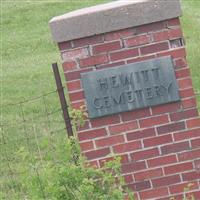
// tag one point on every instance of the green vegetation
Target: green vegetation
(68, 179)
(27, 47)
(191, 28)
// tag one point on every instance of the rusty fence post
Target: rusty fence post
(63, 102)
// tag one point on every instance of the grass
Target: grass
(26, 56)
(191, 28)
(28, 50)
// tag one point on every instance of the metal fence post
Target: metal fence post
(63, 102)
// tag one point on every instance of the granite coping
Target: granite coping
(110, 17)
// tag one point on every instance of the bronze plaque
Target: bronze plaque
(130, 87)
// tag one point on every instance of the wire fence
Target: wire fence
(30, 130)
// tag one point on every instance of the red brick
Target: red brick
(180, 63)
(187, 134)
(138, 59)
(150, 27)
(185, 83)
(186, 93)
(165, 108)
(85, 146)
(74, 54)
(175, 33)
(127, 147)
(110, 65)
(190, 155)
(167, 34)
(105, 121)
(197, 165)
(149, 174)
(196, 194)
(174, 197)
(91, 134)
(74, 85)
(164, 160)
(78, 105)
(189, 103)
(128, 178)
(168, 198)
(119, 34)
(171, 127)
(145, 133)
(109, 141)
(160, 36)
(75, 96)
(192, 123)
(153, 193)
(177, 168)
(157, 140)
(106, 47)
(136, 114)
(64, 45)
(75, 74)
(195, 143)
(145, 154)
(137, 40)
(184, 114)
(93, 60)
(153, 48)
(121, 128)
(173, 22)
(180, 187)
(173, 148)
(165, 181)
(130, 53)
(193, 195)
(88, 41)
(153, 121)
(139, 186)
(124, 158)
(177, 53)
(97, 153)
(133, 166)
(68, 66)
(182, 73)
(191, 176)
(84, 127)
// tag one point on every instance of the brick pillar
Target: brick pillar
(159, 145)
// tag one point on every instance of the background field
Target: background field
(27, 52)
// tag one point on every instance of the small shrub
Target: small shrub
(67, 177)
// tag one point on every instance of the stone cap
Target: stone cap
(110, 17)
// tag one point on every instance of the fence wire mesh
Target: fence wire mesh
(30, 130)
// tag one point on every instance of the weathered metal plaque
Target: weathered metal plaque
(130, 87)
